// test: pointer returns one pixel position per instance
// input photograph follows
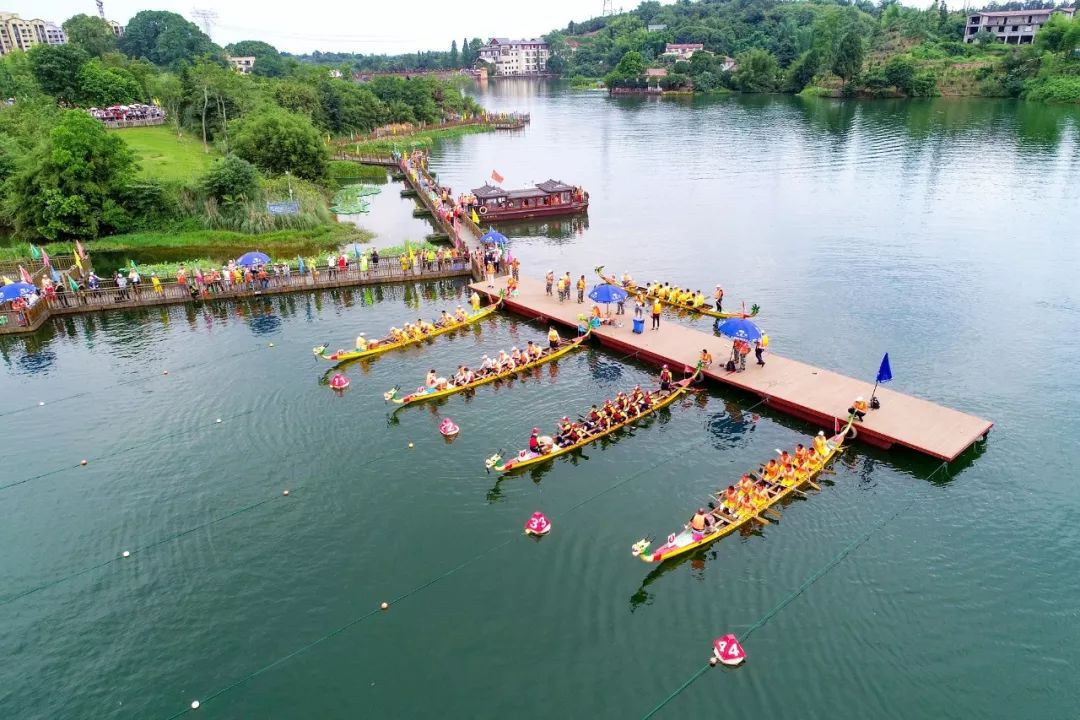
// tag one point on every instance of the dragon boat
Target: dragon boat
(526, 457)
(423, 394)
(386, 345)
(723, 524)
(705, 309)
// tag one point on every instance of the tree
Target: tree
(17, 76)
(297, 97)
(165, 38)
(467, 55)
(802, 71)
(230, 180)
(757, 71)
(90, 33)
(56, 69)
(453, 54)
(1059, 34)
(276, 141)
(69, 187)
(103, 86)
(849, 56)
(169, 91)
(900, 73)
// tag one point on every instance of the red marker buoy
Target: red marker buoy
(537, 525)
(727, 650)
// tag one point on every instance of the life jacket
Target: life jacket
(698, 522)
(656, 307)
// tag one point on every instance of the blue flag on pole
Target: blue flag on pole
(884, 373)
(300, 262)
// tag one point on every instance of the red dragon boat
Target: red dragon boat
(551, 197)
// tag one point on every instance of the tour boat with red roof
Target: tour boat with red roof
(551, 197)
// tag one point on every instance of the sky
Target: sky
(366, 26)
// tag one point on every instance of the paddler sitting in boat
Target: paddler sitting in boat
(800, 453)
(821, 445)
(553, 337)
(745, 484)
(396, 335)
(785, 458)
(700, 522)
(502, 362)
(699, 299)
(787, 477)
(426, 327)
(665, 379)
(802, 474)
(533, 351)
(361, 343)
(771, 471)
(414, 332)
(534, 441)
(445, 320)
(627, 281)
(515, 356)
(432, 377)
(442, 384)
(729, 500)
(460, 315)
(592, 419)
(459, 376)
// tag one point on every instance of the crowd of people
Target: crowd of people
(127, 113)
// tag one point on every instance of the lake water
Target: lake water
(943, 232)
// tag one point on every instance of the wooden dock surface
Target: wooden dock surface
(818, 396)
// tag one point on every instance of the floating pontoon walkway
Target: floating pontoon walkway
(818, 396)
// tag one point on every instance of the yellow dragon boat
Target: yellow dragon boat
(386, 345)
(705, 309)
(526, 457)
(424, 394)
(723, 524)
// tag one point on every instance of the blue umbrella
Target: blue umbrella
(605, 293)
(493, 236)
(739, 329)
(252, 258)
(14, 290)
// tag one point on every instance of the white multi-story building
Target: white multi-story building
(1012, 27)
(516, 57)
(19, 34)
(242, 64)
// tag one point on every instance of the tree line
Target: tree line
(62, 175)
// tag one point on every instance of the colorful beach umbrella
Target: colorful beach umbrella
(739, 329)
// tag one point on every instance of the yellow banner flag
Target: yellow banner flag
(474, 218)
(78, 262)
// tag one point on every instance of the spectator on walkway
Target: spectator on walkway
(639, 307)
(581, 289)
(656, 308)
(549, 280)
(155, 283)
(759, 349)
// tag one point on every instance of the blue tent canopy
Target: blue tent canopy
(14, 290)
(493, 236)
(605, 293)
(739, 329)
(253, 258)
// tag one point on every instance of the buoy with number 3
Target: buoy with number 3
(537, 525)
(728, 650)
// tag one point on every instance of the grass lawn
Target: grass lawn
(161, 155)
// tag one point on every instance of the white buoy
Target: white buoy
(164, 372)
(194, 704)
(410, 444)
(126, 553)
(41, 403)
(285, 493)
(218, 420)
(384, 606)
(271, 344)
(82, 462)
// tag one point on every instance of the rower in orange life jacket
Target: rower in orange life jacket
(800, 452)
(698, 521)
(730, 500)
(785, 458)
(665, 378)
(772, 470)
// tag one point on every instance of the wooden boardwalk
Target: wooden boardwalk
(113, 298)
(816, 395)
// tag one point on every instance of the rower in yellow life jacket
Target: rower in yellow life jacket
(820, 444)
(553, 337)
(730, 502)
(699, 299)
(772, 470)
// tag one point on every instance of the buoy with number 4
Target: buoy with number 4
(728, 650)
(537, 525)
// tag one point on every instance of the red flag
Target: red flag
(497, 177)
(25, 276)
(835, 425)
(45, 258)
